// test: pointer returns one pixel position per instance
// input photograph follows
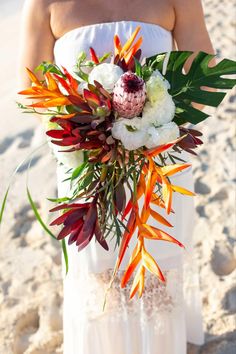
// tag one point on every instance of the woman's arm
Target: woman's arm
(190, 32)
(36, 38)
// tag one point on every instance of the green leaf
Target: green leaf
(12, 176)
(46, 66)
(38, 217)
(63, 243)
(187, 88)
(59, 200)
(4, 204)
(138, 67)
(187, 113)
(104, 57)
(78, 171)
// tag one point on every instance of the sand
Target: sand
(30, 263)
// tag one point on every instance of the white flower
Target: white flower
(161, 135)
(68, 159)
(159, 108)
(160, 112)
(131, 139)
(157, 86)
(106, 74)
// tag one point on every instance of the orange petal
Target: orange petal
(145, 214)
(182, 190)
(130, 41)
(66, 116)
(61, 101)
(150, 264)
(141, 281)
(73, 82)
(135, 285)
(131, 226)
(167, 195)
(153, 233)
(159, 218)
(130, 269)
(159, 149)
(51, 83)
(32, 77)
(117, 45)
(172, 169)
(128, 56)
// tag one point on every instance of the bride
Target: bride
(167, 316)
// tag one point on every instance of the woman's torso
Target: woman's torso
(68, 15)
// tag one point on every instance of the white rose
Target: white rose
(161, 135)
(106, 74)
(131, 139)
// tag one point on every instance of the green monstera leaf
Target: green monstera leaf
(187, 88)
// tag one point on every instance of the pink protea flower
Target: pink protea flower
(129, 95)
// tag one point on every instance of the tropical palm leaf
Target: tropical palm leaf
(187, 88)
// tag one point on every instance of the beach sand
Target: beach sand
(30, 262)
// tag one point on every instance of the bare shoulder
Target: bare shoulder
(188, 10)
(37, 8)
(185, 4)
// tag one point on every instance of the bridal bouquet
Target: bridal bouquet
(118, 124)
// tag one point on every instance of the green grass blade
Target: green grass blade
(4, 204)
(63, 243)
(38, 217)
(11, 178)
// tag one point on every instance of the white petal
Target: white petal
(162, 135)
(106, 74)
(131, 140)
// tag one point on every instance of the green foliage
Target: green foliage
(188, 87)
(46, 66)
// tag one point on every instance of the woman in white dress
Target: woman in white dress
(167, 316)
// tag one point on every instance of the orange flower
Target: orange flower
(127, 51)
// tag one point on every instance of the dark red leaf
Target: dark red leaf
(99, 236)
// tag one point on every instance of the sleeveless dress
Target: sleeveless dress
(168, 315)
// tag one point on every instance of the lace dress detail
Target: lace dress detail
(158, 298)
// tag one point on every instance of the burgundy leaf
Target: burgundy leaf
(120, 197)
(89, 224)
(99, 236)
(61, 219)
(68, 229)
(70, 206)
(74, 234)
(75, 216)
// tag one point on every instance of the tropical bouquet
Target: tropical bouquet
(119, 125)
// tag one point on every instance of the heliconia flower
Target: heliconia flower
(129, 50)
(129, 95)
(107, 74)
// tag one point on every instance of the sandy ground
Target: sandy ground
(30, 268)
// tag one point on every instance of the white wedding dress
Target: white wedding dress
(167, 316)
